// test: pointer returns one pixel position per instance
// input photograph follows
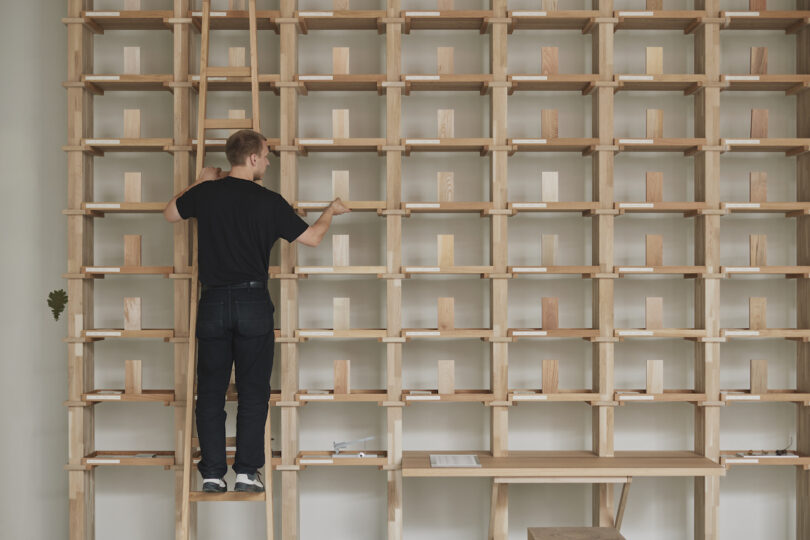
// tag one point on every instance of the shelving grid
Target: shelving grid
(601, 465)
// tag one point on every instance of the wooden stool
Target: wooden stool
(574, 533)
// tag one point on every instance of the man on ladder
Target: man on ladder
(238, 222)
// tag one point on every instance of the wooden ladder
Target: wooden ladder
(190, 442)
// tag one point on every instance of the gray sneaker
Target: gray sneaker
(249, 482)
(214, 485)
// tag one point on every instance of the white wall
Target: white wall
(350, 503)
(33, 191)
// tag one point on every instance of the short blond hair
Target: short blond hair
(241, 144)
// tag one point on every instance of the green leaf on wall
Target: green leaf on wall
(57, 300)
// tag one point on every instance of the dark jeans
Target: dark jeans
(233, 325)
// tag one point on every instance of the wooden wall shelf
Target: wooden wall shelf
(341, 19)
(566, 464)
(597, 28)
(687, 21)
(789, 21)
(551, 20)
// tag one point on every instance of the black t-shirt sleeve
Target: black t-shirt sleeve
(187, 202)
(289, 225)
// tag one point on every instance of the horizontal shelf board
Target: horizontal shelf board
(660, 206)
(756, 207)
(120, 395)
(127, 270)
(534, 270)
(129, 458)
(573, 144)
(550, 82)
(659, 82)
(123, 207)
(787, 145)
(787, 333)
(550, 20)
(764, 82)
(517, 333)
(658, 20)
(764, 20)
(658, 145)
(626, 396)
(642, 270)
(659, 332)
(745, 396)
(572, 463)
(104, 333)
(341, 19)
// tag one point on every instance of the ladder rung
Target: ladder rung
(227, 71)
(241, 496)
(228, 123)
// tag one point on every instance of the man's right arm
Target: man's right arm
(313, 235)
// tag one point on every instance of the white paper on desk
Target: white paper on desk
(454, 460)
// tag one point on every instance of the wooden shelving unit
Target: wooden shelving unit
(598, 465)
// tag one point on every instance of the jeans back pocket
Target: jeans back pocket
(211, 320)
(254, 317)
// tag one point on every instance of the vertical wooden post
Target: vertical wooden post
(132, 61)
(549, 126)
(446, 314)
(602, 255)
(132, 313)
(654, 250)
(655, 186)
(759, 376)
(550, 376)
(802, 283)
(132, 250)
(655, 124)
(549, 186)
(756, 313)
(655, 60)
(551, 319)
(445, 250)
(707, 253)
(340, 60)
(654, 313)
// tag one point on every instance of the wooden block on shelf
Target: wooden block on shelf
(132, 250)
(236, 56)
(759, 376)
(445, 5)
(548, 124)
(340, 60)
(549, 5)
(132, 123)
(132, 378)
(132, 5)
(654, 252)
(132, 61)
(445, 249)
(654, 5)
(132, 313)
(342, 377)
(655, 376)
(757, 309)
(132, 187)
(655, 61)
(549, 60)
(758, 252)
(654, 313)
(340, 250)
(340, 4)
(235, 114)
(447, 377)
(759, 60)
(444, 181)
(759, 123)
(551, 315)
(655, 124)
(758, 190)
(340, 123)
(444, 60)
(655, 186)
(445, 123)
(446, 316)
(341, 309)
(757, 5)
(549, 186)
(548, 246)
(550, 376)
(340, 185)
(237, 5)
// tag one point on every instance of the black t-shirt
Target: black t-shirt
(238, 221)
